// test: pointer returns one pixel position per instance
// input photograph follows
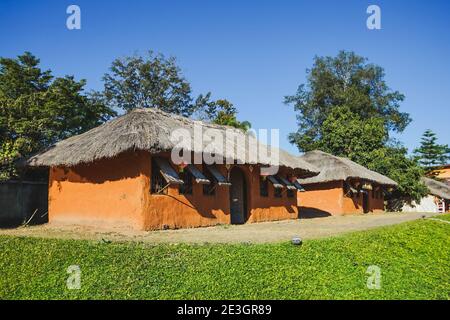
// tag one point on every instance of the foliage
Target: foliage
(345, 80)
(8, 152)
(345, 133)
(153, 81)
(365, 141)
(430, 154)
(394, 162)
(36, 109)
(348, 110)
(223, 112)
(334, 268)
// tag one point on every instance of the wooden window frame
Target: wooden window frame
(187, 188)
(290, 193)
(263, 187)
(158, 184)
(278, 192)
(209, 190)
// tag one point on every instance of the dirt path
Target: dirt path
(254, 233)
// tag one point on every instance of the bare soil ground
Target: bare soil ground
(251, 233)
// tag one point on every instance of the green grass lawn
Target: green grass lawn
(414, 259)
(444, 217)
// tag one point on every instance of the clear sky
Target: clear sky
(252, 53)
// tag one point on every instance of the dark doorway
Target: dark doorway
(238, 196)
(365, 202)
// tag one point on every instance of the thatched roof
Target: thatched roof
(333, 168)
(150, 129)
(437, 188)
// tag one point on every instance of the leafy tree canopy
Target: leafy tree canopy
(36, 110)
(430, 154)
(223, 112)
(347, 109)
(393, 161)
(154, 81)
(345, 133)
(345, 80)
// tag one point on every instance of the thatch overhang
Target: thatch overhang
(437, 188)
(150, 130)
(333, 168)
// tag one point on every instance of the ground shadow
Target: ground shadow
(310, 213)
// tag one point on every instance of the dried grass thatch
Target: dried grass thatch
(437, 188)
(150, 129)
(333, 168)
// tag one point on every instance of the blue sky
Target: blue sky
(252, 53)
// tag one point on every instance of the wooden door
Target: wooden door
(365, 202)
(238, 192)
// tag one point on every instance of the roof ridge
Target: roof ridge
(149, 129)
(335, 168)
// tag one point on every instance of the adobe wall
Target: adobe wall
(106, 192)
(269, 208)
(176, 210)
(322, 199)
(116, 192)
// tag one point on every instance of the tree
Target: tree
(150, 82)
(154, 81)
(430, 154)
(8, 153)
(393, 161)
(37, 110)
(345, 133)
(365, 141)
(223, 112)
(347, 109)
(345, 80)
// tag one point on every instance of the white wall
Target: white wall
(427, 204)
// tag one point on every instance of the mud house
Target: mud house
(442, 173)
(122, 173)
(342, 187)
(437, 200)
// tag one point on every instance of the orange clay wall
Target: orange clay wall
(107, 192)
(328, 199)
(322, 199)
(268, 208)
(116, 192)
(352, 204)
(176, 210)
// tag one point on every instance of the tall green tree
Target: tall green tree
(154, 81)
(346, 80)
(430, 154)
(151, 81)
(37, 110)
(347, 109)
